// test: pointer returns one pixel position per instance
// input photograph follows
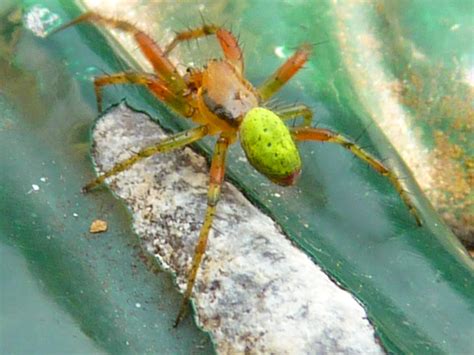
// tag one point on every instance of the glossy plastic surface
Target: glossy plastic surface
(416, 283)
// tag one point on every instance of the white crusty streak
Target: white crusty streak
(255, 292)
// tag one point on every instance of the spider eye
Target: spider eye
(269, 147)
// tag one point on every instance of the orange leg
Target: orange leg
(324, 135)
(156, 86)
(285, 72)
(162, 65)
(227, 41)
(216, 178)
(173, 142)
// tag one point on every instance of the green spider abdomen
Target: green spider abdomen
(269, 147)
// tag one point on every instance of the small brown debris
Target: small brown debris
(98, 226)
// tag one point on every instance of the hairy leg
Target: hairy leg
(173, 142)
(216, 178)
(156, 86)
(285, 72)
(324, 135)
(287, 113)
(150, 49)
(227, 41)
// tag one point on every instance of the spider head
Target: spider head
(269, 147)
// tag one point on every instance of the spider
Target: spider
(222, 102)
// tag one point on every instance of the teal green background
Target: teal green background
(416, 283)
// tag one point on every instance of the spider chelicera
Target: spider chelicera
(222, 102)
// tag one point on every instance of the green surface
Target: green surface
(411, 65)
(71, 292)
(416, 283)
(27, 310)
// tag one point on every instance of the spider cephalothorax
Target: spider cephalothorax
(222, 102)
